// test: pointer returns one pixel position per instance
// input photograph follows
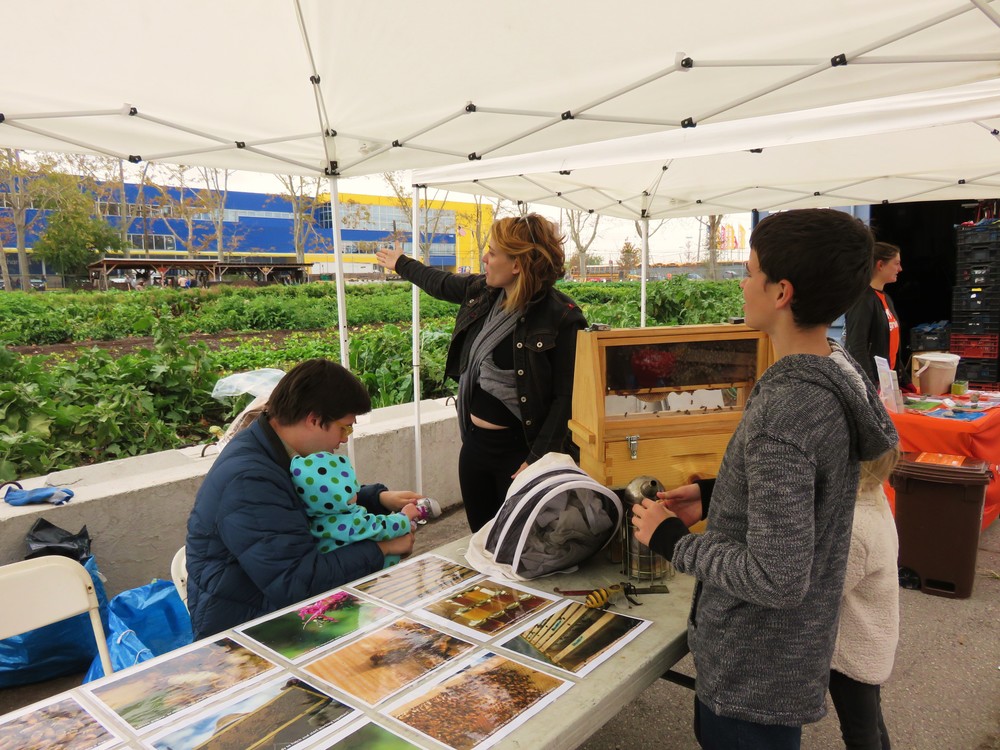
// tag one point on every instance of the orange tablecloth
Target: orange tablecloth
(979, 438)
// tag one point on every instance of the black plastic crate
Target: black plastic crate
(930, 341)
(979, 370)
(978, 235)
(972, 298)
(975, 323)
(977, 274)
(978, 253)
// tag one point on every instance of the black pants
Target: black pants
(715, 732)
(487, 460)
(859, 708)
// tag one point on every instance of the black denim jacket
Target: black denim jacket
(544, 349)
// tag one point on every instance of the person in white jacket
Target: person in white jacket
(869, 613)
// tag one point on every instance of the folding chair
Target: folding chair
(45, 590)
(179, 574)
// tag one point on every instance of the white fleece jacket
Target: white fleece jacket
(869, 613)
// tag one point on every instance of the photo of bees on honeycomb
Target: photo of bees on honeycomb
(479, 704)
(488, 607)
(63, 724)
(383, 662)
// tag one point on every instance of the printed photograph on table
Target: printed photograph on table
(301, 630)
(367, 736)
(281, 714)
(147, 695)
(576, 638)
(480, 703)
(411, 582)
(488, 607)
(381, 663)
(62, 723)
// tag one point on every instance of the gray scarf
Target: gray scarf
(498, 325)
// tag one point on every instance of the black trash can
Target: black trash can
(939, 513)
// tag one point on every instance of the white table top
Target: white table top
(575, 714)
(600, 695)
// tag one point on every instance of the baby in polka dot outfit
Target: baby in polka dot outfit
(328, 487)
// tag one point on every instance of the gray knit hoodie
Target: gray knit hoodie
(771, 565)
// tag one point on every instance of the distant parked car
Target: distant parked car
(695, 276)
(38, 284)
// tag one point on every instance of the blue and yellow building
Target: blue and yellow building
(259, 227)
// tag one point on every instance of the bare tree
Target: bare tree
(106, 178)
(303, 195)
(654, 227)
(185, 206)
(23, 186)
(478, 221)
(582, 231)
(423, 237)
(712, 225)
(213, 200)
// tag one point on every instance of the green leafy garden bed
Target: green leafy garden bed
(59, 412)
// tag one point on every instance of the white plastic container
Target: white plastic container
(934, 372)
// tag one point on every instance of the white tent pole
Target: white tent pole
(415, 355)
(338, 255)
(644, 223)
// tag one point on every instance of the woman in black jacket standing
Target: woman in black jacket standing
(872, 325)
(513, 352)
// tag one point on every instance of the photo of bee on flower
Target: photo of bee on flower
(299, 631)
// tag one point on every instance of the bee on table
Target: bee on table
(601, 598)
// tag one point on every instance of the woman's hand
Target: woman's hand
(646, 517)
(387, 258)
(394, 500)
(684, 502)
(520, 468)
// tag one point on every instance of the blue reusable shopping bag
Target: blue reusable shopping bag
(62, 648)
(144, 622)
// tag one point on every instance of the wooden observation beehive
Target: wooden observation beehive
(662, 401)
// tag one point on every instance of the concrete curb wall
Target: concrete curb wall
(136, 509)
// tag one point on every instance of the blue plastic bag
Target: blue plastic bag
(144, 622)
(61, 648)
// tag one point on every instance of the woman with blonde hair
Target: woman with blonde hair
(512, 352)
(869, 613)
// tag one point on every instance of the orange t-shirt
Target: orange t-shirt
(893, 330)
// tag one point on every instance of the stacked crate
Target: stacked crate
(975, 305)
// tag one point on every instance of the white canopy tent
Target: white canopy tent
(337, 88)
(932, 145)
(320, 87)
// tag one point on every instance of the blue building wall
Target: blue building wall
(254, 225)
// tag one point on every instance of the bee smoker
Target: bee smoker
(638, 560)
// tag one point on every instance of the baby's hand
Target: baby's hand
(411, 511)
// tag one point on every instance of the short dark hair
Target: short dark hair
(826, 255)
(320, 387)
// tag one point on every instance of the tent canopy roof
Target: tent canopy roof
(927, 146)
(318, 87)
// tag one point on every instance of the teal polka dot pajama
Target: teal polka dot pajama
(327, 485)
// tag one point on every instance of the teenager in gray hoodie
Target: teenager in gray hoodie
(771, 564)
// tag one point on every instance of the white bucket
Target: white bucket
(934, 372)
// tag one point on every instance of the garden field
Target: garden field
(92, 376)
